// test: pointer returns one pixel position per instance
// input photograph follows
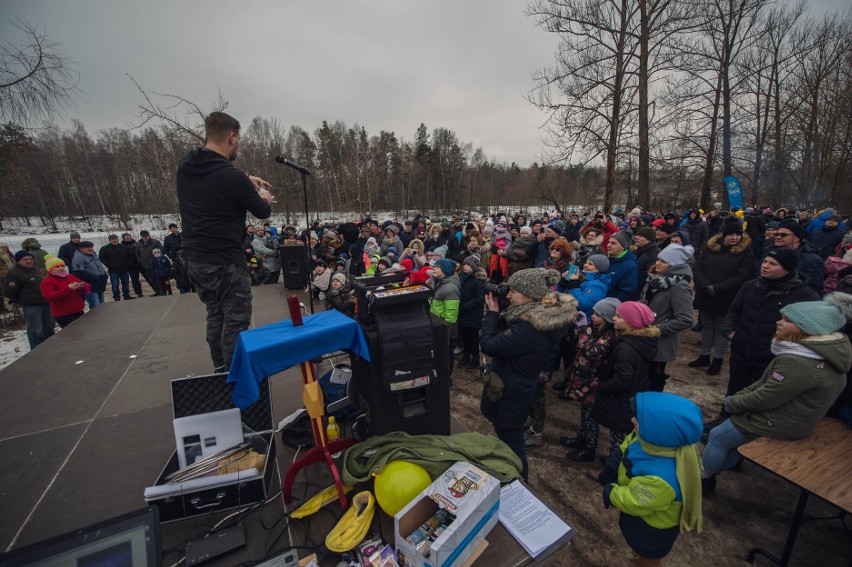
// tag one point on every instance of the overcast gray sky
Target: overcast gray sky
(385, 64)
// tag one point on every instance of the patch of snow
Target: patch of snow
(13, 345)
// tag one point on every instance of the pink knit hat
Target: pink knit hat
(637, 315)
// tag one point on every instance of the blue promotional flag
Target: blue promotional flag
(735, 192)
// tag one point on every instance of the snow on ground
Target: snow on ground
(13, 345)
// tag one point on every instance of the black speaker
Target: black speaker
(294, 265)
(409, 404)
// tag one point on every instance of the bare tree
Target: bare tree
(36, 80)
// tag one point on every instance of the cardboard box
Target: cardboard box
(467, 492)
(203, 394)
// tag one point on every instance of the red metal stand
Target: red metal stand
(312, 397)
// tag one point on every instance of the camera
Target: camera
(497, 290)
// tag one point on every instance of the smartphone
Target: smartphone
(573, 269)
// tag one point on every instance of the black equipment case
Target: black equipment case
(196, 395)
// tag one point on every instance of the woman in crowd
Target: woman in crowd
(726, 264)
(63, 291)
(520, 341)
(796, 389)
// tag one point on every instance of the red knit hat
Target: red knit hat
(635, 314)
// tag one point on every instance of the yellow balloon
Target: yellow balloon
(398, 483)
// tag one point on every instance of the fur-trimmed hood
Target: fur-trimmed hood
(594, 241)
(555, 312)
(715, 244)
(652, 331)
(417, 245)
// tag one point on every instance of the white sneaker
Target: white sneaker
(458, 350)
(532, 439)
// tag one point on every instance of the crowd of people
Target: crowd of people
(57, 289)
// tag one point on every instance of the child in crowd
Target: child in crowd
(626, 371)
(339, 295)
(498, 269)
(321, 280)
(654, 479)
(257, 272)
(595, 342)
(161, 269)
(471, 307)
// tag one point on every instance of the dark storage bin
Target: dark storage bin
(196, 395)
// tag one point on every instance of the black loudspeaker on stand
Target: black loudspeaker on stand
(294, 265)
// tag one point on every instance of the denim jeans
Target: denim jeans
(124, 278)
(226, 291)
(94, 299)
(721, 453)
(39, 323)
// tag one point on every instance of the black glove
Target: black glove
(606, 492)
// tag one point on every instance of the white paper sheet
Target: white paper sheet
(529, 520)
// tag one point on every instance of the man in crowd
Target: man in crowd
(130, 244)
(214, 197)
(144, 253)
(791, 235)
(22, 286)
(828, 238)
(67, 250)
(117, 259)
(171, 243)
(88, 268)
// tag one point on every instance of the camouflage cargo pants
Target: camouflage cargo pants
(226, 291)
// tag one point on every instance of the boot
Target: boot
(708, 485)
(584, 455)
(715, 367)
(700, 362)
(576, 442)
(472, 366)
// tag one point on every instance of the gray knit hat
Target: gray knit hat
(622, 238)
(600, 261)
(815, 317)
(676, 255)
(535, 283)
(606, 308)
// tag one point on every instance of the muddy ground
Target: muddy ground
(752, 508)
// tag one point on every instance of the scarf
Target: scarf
(656, 283)
(515, 311)
(788, 347)
(688, 471)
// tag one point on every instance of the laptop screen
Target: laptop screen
(131, 540)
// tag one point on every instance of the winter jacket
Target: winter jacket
(67, 251)
(795, 390)
(271, 261)
(23, 286)
(171, 245)
(646, 256)
(826, 241)
(698, 232)
(726, 269)
(131, 248)
(88, 268)
(33, 246)
(63, 300)
(145, 251)
(755, 311)
(811, 267)
(588, 291)
(445, 301)
(626, 373)
(625, 277)
(607, 229)
(672, 307)
(341, 299)
(517, 254)
(117, 258)
(833, 266)
(472, 299)
(520, 351)
(214, 197)
(161, 267)
(593, 352)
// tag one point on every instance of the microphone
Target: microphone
(296, 166)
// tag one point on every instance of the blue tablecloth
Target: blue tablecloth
(264, 351)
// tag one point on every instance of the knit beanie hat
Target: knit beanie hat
(623, 238)
(154, 251)
(472, 261)
(815, 317)
(407, 265)
(647, 233)
(606, 308)
(51, 262)
(339, 276)
(836, 218)
(441, 251)
(526, 230)
(773, 224)
(665, 227)
(732, 226)
(788, 259)
(684, 236)
(535, 283)
(637, 315)
(386, 261)
(794, 227)
(74, 234)
(675, 254)
(600, 261)
(22, 254)
(447, 266)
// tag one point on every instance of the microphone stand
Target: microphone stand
(304, 172)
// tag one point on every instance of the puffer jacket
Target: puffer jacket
(271, 260)
(726, 268)
(646, 256)
(472, 301)
(625, 277)
(755, 311)
(588, 291)
(88, 268)
(520, 351)
(625, 374)
(672, 307)
(445, 301)
(698, 232)
(795, 390)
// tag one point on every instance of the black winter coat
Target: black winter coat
(117, 258)
(625, 374)
(472, 300)
(698, 232)
(726, 268)
(755, 311)
(811, 267)
(645, 258)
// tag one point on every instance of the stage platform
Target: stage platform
(86, 425)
